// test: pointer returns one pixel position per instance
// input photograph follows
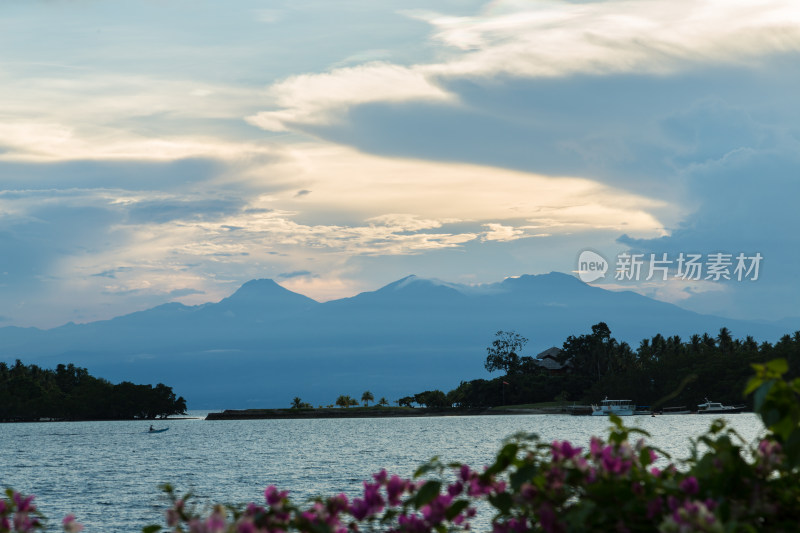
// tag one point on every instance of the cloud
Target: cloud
(167, 210)
(558, 39)
(325, 98)
(179, 293)
(89, 116)
(296, 274)
(500, 232)
(688, 103)
(650, 125)
(545, 40)
(112, 273)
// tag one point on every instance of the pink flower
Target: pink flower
(273, 497)
(173, 518)
(380, 477)
(216, 522)
(371, 504)
(563, 450)
(24, 504)
(338, 504)
(455, 489)
(394, 489)
(653, 508)
(70, 525)
(595, 447)
(690, 485)
(246, 527)
(434, 512)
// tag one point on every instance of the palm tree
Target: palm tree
(345, 401)
(383, 401)
(297, 403)
(367, 397)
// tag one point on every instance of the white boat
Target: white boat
(716, 408)
(613, 407)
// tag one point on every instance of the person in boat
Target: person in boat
(152, 428)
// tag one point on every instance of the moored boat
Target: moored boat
(613, 407)
(153, 430)
(716, 408)
(680, 410)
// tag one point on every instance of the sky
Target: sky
(160, 151)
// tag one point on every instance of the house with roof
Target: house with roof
(548, 360)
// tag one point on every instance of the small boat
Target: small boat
(613, 407)
(642, 410)
(716, 408)
(151, 430)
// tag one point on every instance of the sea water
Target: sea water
(108, 473)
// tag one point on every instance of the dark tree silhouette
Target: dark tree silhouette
(503, 353)
(367, 397)
(68, 392)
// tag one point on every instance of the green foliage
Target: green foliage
(346, 401)
(405, 401)
(434, 398)
(367, 397)
(661, 372)
(503, 353)
(68, 392)
(778, 403)
(298, 403)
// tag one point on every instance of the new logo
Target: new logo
(591, 266)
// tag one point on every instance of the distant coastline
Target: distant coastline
(373, 412)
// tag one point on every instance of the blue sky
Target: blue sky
(170, 151)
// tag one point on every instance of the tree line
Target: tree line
(344, 400)
(659, 372)
(28, 392)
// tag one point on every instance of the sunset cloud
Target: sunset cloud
(150, 156)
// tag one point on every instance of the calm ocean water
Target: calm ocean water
(107, 473)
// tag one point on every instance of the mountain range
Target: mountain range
(264, 344)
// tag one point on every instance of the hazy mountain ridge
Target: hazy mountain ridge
(265, 344)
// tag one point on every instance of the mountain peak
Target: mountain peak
(257, 287)
(548, 279)
(416, 283)
(265, 291)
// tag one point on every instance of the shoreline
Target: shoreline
(145, 420)
(370, 412)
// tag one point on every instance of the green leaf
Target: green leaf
(777, 367)
(153, 528)
(523, 474)
(578, 516)
(716, 426)
(761, 394)
(644, 456)
(505, 457)
(430, 466)
(455, 508)
(427, 493)
(752, 384)
(502, 502)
